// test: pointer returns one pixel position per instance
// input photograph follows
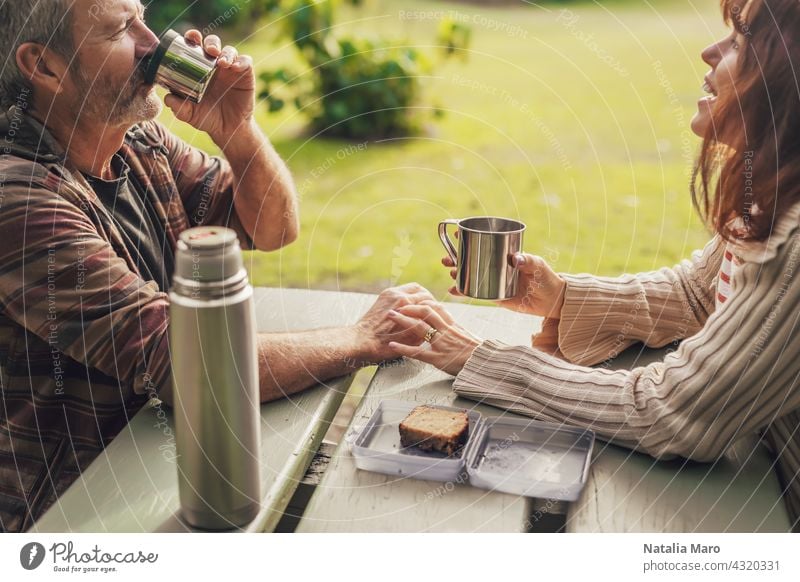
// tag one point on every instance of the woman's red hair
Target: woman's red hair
(749, 164)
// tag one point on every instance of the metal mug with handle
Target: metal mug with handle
(485, 247)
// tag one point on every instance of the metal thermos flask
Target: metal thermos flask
(215, 381)
(180, 67)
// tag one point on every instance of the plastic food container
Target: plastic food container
(512, 455)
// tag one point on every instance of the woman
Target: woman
(735, 305)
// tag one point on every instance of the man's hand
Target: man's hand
(265, 197)
(377, 328)
(229, 102)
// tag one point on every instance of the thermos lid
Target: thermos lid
(208, 254)
(155, 60)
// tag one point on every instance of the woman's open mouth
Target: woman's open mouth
(709, 88)
(711, 94)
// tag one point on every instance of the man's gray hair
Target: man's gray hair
(46, 22)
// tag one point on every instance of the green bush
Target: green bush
(355, 88)
(365, 89)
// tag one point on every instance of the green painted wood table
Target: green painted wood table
(349, 499)
(625, 491)
(631, 492)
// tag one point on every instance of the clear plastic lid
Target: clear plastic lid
(512, 455)
(531, 458)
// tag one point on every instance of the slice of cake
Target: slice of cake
(434, 429)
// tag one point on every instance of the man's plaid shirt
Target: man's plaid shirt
(83, 338)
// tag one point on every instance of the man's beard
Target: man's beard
(103, 102)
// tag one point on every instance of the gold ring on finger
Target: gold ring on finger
(430, 334)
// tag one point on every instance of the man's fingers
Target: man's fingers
(414, 298)
(212, 45)
(448, 261)
(183, 109)
(228, 56)
(414, 292)
(194, 37)
(453, 273)
(454, 291)
(412, 287)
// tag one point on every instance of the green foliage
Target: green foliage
(359, 88)
(594, 163)
(205, 14)
(454, 37)
(355, 87)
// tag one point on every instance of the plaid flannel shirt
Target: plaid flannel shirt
(83, 338)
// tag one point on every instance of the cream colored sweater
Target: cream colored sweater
(735, 372)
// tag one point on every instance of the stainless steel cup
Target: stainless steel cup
(181, 68)
(483, 259)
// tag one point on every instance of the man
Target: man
(93, 194)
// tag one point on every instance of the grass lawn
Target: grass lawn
(576, 124)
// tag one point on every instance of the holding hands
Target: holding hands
(424, 330)
(377, 328)
(449, 345)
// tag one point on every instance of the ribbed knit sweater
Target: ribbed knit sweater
(733, 372)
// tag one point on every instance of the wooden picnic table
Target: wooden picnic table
(133, 485)
(348, 499)
(631, 492)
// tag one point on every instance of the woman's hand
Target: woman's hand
(540, 290)
(229, 102)
(450, 345)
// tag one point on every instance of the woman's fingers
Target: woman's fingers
(528, 263)
(441, 310)
(448, 262)
(425, 312)
(415, 326)
(413, 352)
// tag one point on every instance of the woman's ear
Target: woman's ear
(44, 69)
